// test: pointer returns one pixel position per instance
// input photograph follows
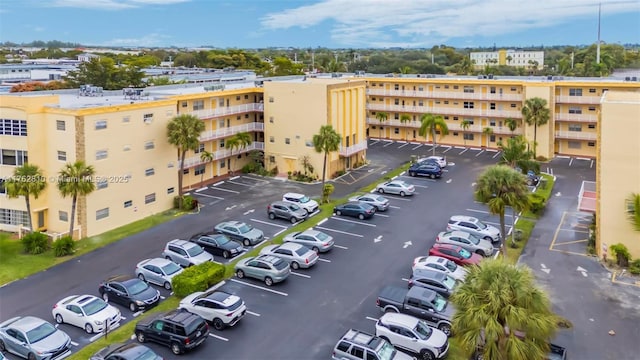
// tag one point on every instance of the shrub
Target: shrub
(634, 267)
(327, 190)
(197, 278)
(538, 203)
(189, 203)
(176, 202)
(64, 246)
(35, 243)
(541, 158)
(621, 253)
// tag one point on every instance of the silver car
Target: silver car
(267, 268)
(158, 271)
(380, 202)
(474, 226)
(287, 211)
(467, 241)
(298, 256)
(185, 253)
(34, 339)
(397, 187)
(246, 234)
(313, 239)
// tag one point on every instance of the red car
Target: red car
(456, 254)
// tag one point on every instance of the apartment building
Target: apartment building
(515, 58)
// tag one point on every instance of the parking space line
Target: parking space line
(269, 223)
(259, 287)
(254, 179)
(404, 279)
(394, 207)
(352, 221)
(496, 155)
(218, 337)
(301, 275)
(421, 186)
(74, 343)
(237, 183)
(136, 314)
(376, 214)
(487, 212)
(324, 260)
(479, 152)
(339, 232)
(370, 318)
(387, 144)
(253, 313)
(463, 151)
(399, 198)
(202, 189)
(403, 145)
(570, 161)
(449, 148)
(419, 145)
(227, 190)
(281, 231)
(342, 247)
(210, 196)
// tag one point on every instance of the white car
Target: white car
(440, 264)
(440, 160)
(413, 335)
(88, 312)
(219, 308)
(301, 200)
(474, 226)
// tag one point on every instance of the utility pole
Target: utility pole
(598, 46)
(572, 60)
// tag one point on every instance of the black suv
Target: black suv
(178, 329)
(425, 169)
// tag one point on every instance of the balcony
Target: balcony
(445, 95)
(353, 149)
(222, 154)
(225, 111)
(445, 111)
(224, 132)
(585, 118)
(577, 100)
(416, 124)
(576, 135)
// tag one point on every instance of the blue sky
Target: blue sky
(325, 23)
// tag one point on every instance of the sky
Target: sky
(320, 23)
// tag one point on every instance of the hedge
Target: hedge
(197, 278)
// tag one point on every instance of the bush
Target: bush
(35, 243)
(327, 190)
(64, 246)
(634, 267)
(197, 278)
(538, 202)
(189, 203)
(621, 253)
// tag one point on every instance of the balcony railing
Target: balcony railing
(578, 99)
(228, 131)
(451, 126)
(577, 135)
(576, 117)
(444, 111)
(224, 153)
(225, 110)
(353, 149)
(445, 95)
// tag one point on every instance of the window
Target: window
(13, 217)
(591, 143)
(62, 155)
(221, 143)
(396, 102)
(13, 127)
(13, 157)
(575, 92)
(396, 130)
(575, 110)
(128, 203)
(148, 199)
(468, 104)
(149, 145)
(592, 108)
(198, 105)
(492, 138)
(574, 144)
(492, 106)
(271, 119)
(126, 119)
(308, 143)
(468, 89)
(101, 124)
(455, 118)
(438, 102)
(467, 136)
(63, 216)
(101, 154)
(591, 126)
(184, 104)
(272, 159)
(575, 127)
(513, 105)
(446, 102)
(420, 103)
(102, 213)
(199, 170)
(592, 91)
(270, 99)
(185, 171)
(199, 149)
(149, 172)
(246, 97)
(147, 118)
(238, 98)
(170, 190)
(287, 141)
(492, 122)
(61, 125)
(272, 139)
(102, 184)
(455, 87)
(492, 90)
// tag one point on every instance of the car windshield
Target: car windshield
(304, 199)
(423, 331)
(451, 266)
(137, 287)
(439, 303)
(322, 236)
(194, 251)
(244, 228)
(171, 268)
(449, 282)
(94, 306)
(45, 329)
(464, 253)
(293, 207)
(481, 225)
(147, 355)
(386, 351)
(474, 240)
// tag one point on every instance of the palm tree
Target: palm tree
(464, 125)
(429, 125)
(487, 132)
(515, 153)
(512, 124)
(500, 186)
(326, 141)
(238, 142)
(382, 117)
(27, 181)
(184, 131)
(497, 301)
(405, 118)
(633, 205)
(405, 70)
(75, 180)
(536, 113)
(509, 58)
(206, 157)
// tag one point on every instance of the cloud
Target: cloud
(112, 4)
(420, 23)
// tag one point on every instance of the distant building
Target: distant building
(508, 58)
(86, 57)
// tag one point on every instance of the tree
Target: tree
(487, 131)
(238, 142)
(430, 124)
(498, 187)
(633, 206)
(326, 141)
(405, 118)
(512, 124)
(75, 180)
(206, 157)
(501, 310)
(515, 153)
(183, 131)
(535, 113)
(464, 125)
(382, 117)
(103, 72)
(27, 181)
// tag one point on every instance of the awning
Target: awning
(587, 197)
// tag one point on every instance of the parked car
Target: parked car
(267, 268)
(437, 281)
(455, 253)
(313, 239)
(474, 226)
(359, 345)
(440, 264)
(217, 307)
(423, 169)
(413, 335)
(158, 271)
(298, 256)
(301, 200)
(86, 312)
(531, 177)
(360, 210)
(439, 160)
(178, 329)
(397, 187)
(123, 351)
(217, 244)
(246, 234)
(32, 338)
(287, 211)
(185, 253)
(129, 291)
(466, 240)
(380, 202)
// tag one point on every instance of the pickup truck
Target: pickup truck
(419, 302)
